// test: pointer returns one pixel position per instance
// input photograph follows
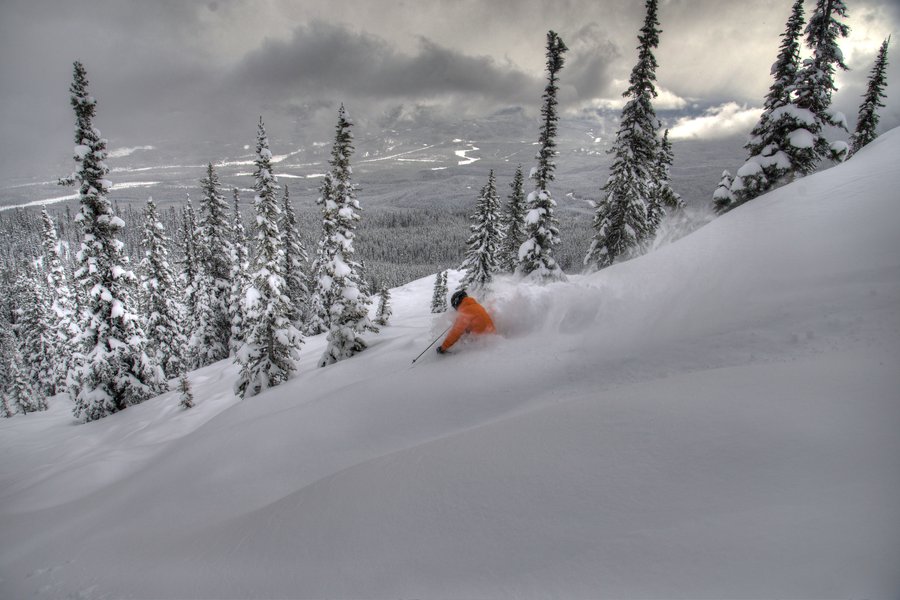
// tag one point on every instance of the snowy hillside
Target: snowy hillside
(716, 419)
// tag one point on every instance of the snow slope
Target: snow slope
(716, 419)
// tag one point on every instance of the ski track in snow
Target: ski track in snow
(393, 156)
(45, 202)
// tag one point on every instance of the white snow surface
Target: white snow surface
(801, 138)
(717, 418)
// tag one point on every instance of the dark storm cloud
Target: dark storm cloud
(589, 65)
(321, 58)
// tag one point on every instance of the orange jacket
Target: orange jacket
(471, 318)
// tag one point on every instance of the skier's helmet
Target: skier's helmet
(457, 298)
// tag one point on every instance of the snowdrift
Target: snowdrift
(716, 419)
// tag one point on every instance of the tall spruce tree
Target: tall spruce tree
(165, 316)
(867, 121)
(318, 318)
(349, 308)
(535, 256)
(64, 319)
(663, 196)
(772, 157)
(480, 263)
(815, 82)
(272, 343)
(24, 396)
(34, 331)
(439, 294)
(113, 371)
(7, 356)
(240, 278)
(512, 224)
(620, 221)
(296, 263)
(190, 279)
(214, 257)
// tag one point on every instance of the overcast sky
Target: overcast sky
(181, 71)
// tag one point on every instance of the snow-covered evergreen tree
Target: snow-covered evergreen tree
(774, 159)
(482, 246)
(620, 221)
(512, 224)
(7, 356)
(6, 409)
(815, 82)
(722, 197)
(272, 342)
(867, 121)
(295, 263)
(383, 312)
(190, 279)
(113, 371)
(318, 318)
(535, 256)
(240, 278)
(663, 196)
(439, 296)
(34, 330)
(23, 396)
(165, 316)
(187, 395)
(214, 256)
(64, 320)
(349, 308)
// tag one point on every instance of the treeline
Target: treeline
(396, 245)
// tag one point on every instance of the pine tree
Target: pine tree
(384, 312)
(722, 197)
(318, 318)
(439, 296)
(296, 261)
(114, 371)
(481, 248)
(349, 308)
(187, 395)
(240, 279)
(64, 320)
(272, 342)
(535, 257)
(23, 395)
(34, 330)
(663, 196)
(6, 410)
(867, 121)
(620, 221)
(7, 356)
(190, 280)
(513, 225)
(214, 256)
(165, 317)
(773, 158)
(815, 82)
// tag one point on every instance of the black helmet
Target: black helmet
(457, 298)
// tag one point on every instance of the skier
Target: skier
(472, 318)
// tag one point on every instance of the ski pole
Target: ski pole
(431, 344)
